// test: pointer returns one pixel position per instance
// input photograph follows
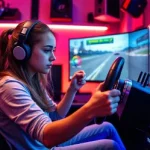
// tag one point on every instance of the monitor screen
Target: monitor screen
(138, 53)
(95, 55)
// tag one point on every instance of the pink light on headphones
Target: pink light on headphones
(63, 27)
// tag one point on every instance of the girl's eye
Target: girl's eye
(51, 50)
(46, 51)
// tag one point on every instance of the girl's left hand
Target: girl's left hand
(78, 80)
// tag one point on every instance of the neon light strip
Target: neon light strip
(62, 27)
(126, 4)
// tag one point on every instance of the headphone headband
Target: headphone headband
(27, 27)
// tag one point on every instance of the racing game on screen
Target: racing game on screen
(95, 55)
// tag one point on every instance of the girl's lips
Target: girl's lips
(49, 66)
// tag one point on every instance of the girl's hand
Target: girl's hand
(104, 103)
(78, 80)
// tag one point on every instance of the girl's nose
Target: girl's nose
(52, 57)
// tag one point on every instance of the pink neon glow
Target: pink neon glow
(62, 27)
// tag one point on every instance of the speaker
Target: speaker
(90, 17)
(34, 9)
(57, 81)
(134, 7)
(61, 10)
(107, 10)
(21, 51)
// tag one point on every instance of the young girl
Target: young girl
(29, 118)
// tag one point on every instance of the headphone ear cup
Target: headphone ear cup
(22, 52)
(27, 51)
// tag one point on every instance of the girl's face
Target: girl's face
(42, 54)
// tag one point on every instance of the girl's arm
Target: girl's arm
(62, 130)
(77, 82)
(100, 104)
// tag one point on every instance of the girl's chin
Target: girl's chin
(45, 71)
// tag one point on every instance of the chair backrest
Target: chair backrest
(3, 144)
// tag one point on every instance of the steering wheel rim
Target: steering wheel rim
(111, 79)
(113, 74)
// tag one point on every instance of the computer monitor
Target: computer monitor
(138, 53)
(95, 55)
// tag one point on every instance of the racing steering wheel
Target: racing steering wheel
(113, 74)
(112, 78)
